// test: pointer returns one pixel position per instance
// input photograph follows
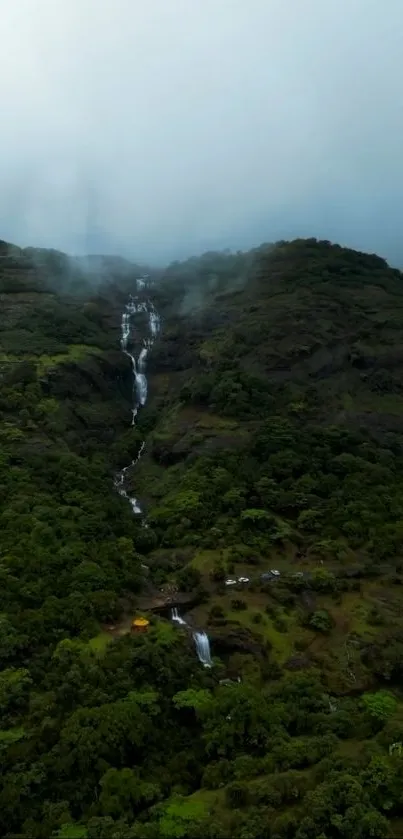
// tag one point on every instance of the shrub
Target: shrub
(238, 605)
(321, 621)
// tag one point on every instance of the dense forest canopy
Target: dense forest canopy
(272, 495)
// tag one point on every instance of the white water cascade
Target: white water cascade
(175, 616)
(139, 378)
(201, 640)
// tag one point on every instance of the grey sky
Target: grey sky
(160, 128)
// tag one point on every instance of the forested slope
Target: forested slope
(273, 442)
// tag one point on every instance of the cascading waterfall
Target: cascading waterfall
(120, 481)
(175, 616)
(139, 378)
(135, 305)
(201, 640)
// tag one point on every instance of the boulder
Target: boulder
(232, 637)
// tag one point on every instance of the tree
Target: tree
(14, 691)
(123, 791)
(237, 794)
(380, 705)
(321, 621)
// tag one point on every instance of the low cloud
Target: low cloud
(161, 129)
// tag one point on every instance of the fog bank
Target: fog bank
(164, 129)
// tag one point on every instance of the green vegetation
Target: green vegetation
(274, 454)
(99, 643)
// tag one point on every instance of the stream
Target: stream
(140, 392)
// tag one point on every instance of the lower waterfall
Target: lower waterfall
(201, 640)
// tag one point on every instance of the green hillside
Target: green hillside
(273, 433)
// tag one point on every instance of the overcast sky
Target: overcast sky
(161, 128)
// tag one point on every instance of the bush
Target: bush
(380, 705)
(280, 624)
(238, 605)
(237, 795)
(218, 572)
(216, 613)
(188, 578)
(321, 621)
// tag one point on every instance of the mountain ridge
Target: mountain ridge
(271, 488)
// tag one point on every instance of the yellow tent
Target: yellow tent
(140, 624)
